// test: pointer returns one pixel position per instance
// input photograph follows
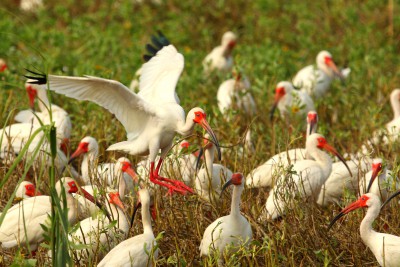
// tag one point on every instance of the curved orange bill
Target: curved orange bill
(332, 150)
(207, 127)
(313, 126)
(375, 173)
(79, 151)
(277, 98)
(390, 198)
(117, 201)
(331, 64)
(89, 197)
(353, 206)
(132, 174)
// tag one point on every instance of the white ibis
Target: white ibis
(30, 5)
(232, 230)
(391, 131)
(264, 175)
(290, 101)
(340, 181)
(61, 119)
(22, 222)
(383, 186)
(119, 174)
(139, 250)
(210, 178)
(3, 65)
(26, 190)
(316, 80)
(220, 58)
(235, 93)
(151, 118)
(385, 247)
(305, 178)
(97, 233)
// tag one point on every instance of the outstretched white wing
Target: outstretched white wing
(129, 108)
(160, 76)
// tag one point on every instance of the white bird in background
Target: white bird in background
(290, 101)
(229, 232)
(220, 58)
(22, 222)
(210, 178)
(305, 178)
(3, 65)
(151, 118)
(383, 186)
(117, 175)
(26, 190)
(139, 250)
(235, 94)
(316, 81)
(340, 181)
(61, 119)
(392, 129)
(97, 233)
(264, 175)
(385, 247)
(30, 5)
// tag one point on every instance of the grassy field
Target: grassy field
(107, 39)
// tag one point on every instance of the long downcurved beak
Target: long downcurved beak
(312, 126)
(207, 127)
(89, 197)
(117, 201)
(225, 186)
(353, 206)
(332, 150)
(277, 98)
(200, 154)
(79, 151)
(375, 173)
(134, 212)
(331, 64)
(132, 174)
(390, 198)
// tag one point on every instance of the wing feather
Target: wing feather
(160, 76)
(129, 108)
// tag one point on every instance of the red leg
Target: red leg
(172, 185)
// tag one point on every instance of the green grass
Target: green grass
(107, 38)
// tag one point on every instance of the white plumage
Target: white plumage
(305, 179)
(265, 174)
(228, 233)
(151, 118)
(26, 190)
(316, 80)
(135, 251)
(385, 247)
(220, 58)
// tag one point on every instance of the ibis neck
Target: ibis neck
(366, 230)
(119, 215)
(235, 204)
(43, 101)
(209, 158)
(186, 128)
(87, 166)
(396, 107)
(323, 159)
(72, 205)
(146, 219)
(121, 185)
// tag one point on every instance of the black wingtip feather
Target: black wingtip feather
(39, 78)
(157, 43)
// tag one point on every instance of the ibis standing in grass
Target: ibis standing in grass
(316, 80)
(151, 118)
(22, 222)
(305, 178)
(385, 247)
(26, 190)
(290, 101)
(228, 233)
(263, 175)
(139, 250)
(220, 58)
